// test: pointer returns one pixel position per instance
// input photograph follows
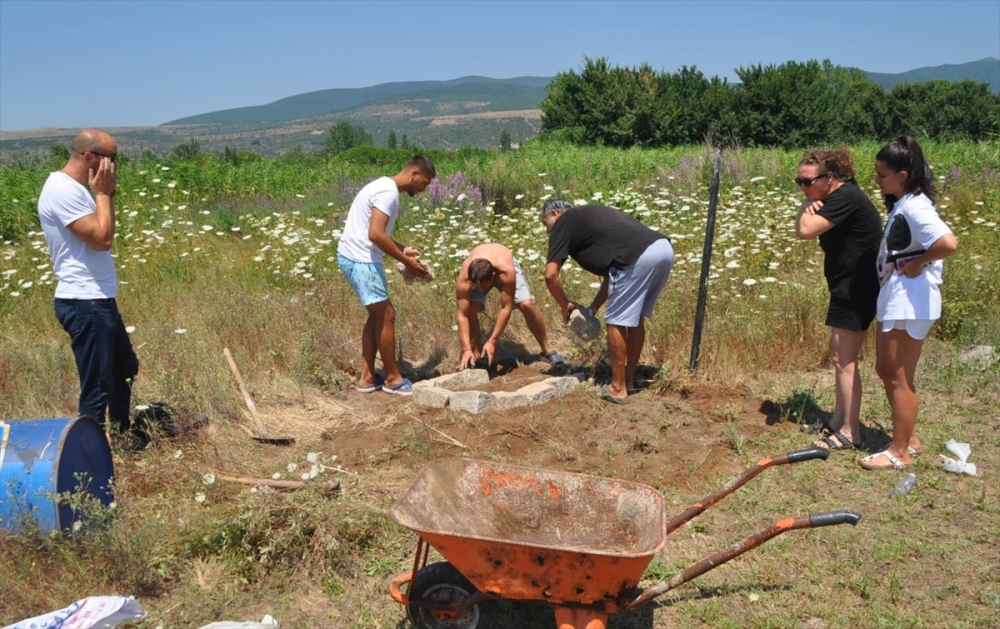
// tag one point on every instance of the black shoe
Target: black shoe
(130, 441)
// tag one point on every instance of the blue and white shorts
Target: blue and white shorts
(366, 278)
(633, 291)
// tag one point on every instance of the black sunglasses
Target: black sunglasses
(112, 156)
(805, 183)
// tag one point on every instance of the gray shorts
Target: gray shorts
(632, 292)
(521, 290)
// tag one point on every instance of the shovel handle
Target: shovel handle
(246, 395)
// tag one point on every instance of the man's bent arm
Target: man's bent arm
(377, 234)
(555, 287)
(97, 230)
(602, 295)
(506, 309)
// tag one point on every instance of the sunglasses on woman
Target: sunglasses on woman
(805, 183)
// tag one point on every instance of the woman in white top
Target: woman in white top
(914, 243)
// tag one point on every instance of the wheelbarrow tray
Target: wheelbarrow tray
(522, 533)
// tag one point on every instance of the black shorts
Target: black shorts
(850, 314)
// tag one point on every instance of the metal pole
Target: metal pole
(706, 260)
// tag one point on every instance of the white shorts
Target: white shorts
(916, 328)
(633, 291)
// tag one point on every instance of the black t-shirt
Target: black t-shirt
(851, 245)
(600, 237)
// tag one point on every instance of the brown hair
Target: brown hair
(422, 163)
(480, 270)
(839, 161)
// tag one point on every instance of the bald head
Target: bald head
(90, 146)
(94, 140)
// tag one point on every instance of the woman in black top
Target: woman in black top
(849, 229)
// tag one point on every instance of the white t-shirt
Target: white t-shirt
(913, 226)
(354, 243)
(83, 272)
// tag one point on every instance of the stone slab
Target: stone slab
(474, 402)
(563, 385)
(538, 392)
(507, 400)
(458, 381)
(431, 397)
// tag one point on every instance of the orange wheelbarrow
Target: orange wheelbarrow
(578, 542)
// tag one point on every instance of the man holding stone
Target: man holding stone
(493, 266)
(634, 263)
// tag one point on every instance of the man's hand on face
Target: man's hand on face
(103, 180)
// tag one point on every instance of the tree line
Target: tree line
(790, 105)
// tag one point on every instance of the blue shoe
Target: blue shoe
(555, 358)
(373, 387)
(403, 388)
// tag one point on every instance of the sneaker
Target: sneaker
(555, 358)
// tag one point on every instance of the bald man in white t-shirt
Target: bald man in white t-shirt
(79, 227)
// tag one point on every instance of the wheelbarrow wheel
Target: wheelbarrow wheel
(442, 582)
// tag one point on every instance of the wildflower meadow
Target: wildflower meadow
(212, 255)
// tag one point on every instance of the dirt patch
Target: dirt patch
(674, 436)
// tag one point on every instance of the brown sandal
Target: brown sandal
(845, 443)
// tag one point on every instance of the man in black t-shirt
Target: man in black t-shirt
(634, 262)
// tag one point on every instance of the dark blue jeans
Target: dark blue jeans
(104, 357)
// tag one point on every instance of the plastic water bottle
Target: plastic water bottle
(904, 486)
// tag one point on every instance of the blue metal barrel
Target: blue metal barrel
(42, 458)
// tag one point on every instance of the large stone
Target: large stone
(430, 396)
(979, 356)
(563, 385)
(458, 381)
(584, 324)
(474, 402)
(507, 400)
(538, 392)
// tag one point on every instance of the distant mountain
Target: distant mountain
(470, 111)
(985, 71)
(487, 95)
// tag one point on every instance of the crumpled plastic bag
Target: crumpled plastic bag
(95, 612)
(265, 623)
(409, 278)
(961, 466)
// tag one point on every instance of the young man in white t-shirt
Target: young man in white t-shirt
(79, 229)
(367, 235)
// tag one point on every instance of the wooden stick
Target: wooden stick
(246, 395)
(270, 482)
(445, 435)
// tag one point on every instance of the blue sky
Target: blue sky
(132, 62)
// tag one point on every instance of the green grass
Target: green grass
(262, 281)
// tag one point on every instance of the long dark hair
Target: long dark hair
(904, 153)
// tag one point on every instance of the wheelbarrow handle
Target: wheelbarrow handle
(830, 518)
(808, 454)
(697, 508)
(781, 526)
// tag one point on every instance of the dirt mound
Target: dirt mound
(675, 435)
